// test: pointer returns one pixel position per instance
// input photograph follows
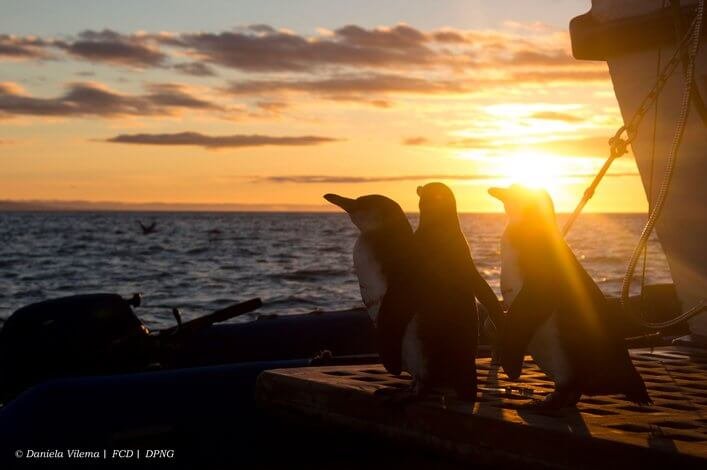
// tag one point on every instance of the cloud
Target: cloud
(264, 49)
(273, 107)
(401, 37)
(473, 142)
(93, 99)
(333, 179)
(206, 141)
(318, 179)
(398, 83)
(561, 75)
(351, 63)
(556, 116)
(351, 59)
(415, 141)
(448, 37)
(593, 146)
(15, 47)
(108, 46)
(539, 57)
(361, 87)
(344, 85)
(596, 146)
(196, 69)
(259, 48)
(176, 96)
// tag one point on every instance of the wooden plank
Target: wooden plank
(601, 430)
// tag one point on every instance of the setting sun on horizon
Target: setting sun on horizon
(240, 108)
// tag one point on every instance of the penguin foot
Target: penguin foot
(398, 396)
(554, 401)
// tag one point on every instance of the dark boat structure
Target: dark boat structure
(100, 334)
(84, 371)
(658, 65)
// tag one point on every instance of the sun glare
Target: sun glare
(533, 170)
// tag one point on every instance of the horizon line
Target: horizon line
(77, 205)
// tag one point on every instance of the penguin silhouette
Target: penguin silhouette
(384, 264)
(557, 312)
(447, 286)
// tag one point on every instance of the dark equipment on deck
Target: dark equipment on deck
(89, 334)
(99, 334)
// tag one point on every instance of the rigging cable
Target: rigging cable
(659, 203)
(618, 146)
(651, 173)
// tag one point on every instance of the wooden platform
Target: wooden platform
(603, 431)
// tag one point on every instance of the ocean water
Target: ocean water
(295, 262)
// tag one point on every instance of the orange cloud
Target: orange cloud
(93, 99)
(335, 179)
(206, 141)
(415, 141)
(28, 47)
(111, 47)
(556, 116)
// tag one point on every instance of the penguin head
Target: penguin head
(437, 203)
(371, 212)
(526, 205)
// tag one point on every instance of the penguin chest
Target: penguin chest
(412, 354)
(371, 279)
(545, 345)
(511, 275)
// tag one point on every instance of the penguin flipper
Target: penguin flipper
(529, 310)
(395, 313)
(485, 294)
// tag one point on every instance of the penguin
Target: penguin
(557, 312)
(448, 284)
(384, 262)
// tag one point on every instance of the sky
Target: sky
(275, 103)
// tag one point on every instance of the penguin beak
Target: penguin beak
(344, 202)
(419, 191)
(499, 193)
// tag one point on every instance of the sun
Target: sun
(534, 170)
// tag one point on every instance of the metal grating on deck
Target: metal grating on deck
(673, 430)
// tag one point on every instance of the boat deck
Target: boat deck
(602, 430)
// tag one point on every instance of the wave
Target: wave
(296, 262)
(311, 274)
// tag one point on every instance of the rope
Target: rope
(618, 146)
(652, 168)
(694, 32)
(680, 27)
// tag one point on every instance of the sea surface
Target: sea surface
(200, 262)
